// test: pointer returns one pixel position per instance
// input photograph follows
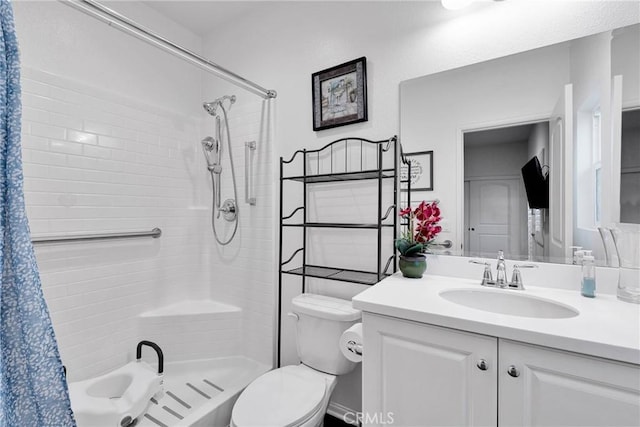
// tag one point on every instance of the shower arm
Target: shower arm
(131, 27)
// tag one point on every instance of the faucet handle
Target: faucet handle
(516, 278)
(487, 277)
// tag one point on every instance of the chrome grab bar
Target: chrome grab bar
(155, 233)
(249, 147)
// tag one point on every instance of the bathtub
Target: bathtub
(201, 392)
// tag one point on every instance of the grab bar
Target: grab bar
(249, 147)
(155, 233)
(158, 351)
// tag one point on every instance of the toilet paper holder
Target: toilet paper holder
(354, 347)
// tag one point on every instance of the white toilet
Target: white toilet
(299, 395)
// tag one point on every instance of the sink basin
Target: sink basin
(513, 303)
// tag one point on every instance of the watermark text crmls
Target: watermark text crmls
(359, 418)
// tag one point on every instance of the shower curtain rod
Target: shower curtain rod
(121, 22)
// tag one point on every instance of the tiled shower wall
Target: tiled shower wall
(99, 162)
(243, 272)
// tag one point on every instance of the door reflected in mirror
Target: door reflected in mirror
(504, 174)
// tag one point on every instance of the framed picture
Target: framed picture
(421, 170)
(340, 95)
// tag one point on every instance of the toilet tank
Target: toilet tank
(321, 322)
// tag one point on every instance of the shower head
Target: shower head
(212, 106)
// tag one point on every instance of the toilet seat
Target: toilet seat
(284, 397)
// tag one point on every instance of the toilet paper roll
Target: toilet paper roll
(351, 343)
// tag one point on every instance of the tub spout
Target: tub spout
(158, 351)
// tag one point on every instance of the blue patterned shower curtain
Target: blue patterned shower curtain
(33, 390)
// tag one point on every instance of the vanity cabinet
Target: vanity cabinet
(421, 375)
(417, 374)
(540, 386)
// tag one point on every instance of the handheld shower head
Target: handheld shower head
(212, 106)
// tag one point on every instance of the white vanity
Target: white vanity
(442, 351)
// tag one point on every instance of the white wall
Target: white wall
(539, 141)
(626, 65)
(281, 47)
(242, 272)
(492, 160)
(63, 41)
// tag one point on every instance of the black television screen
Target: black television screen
(536, 184)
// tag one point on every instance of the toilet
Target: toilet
(299, 395)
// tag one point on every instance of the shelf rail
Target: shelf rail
(155, 233)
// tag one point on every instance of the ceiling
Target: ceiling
(498, 136)
(202, 17)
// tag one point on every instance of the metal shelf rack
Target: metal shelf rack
(326, 165)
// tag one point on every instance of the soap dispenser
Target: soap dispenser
(588, 287)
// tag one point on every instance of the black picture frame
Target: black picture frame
(421, 170)
(340, 95)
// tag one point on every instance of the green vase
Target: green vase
(413, 267)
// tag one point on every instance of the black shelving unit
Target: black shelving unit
(388, 152)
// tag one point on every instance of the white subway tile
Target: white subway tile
(65, 147)
(95, 161)
(47, 131)
(82, 137)
(98, 152)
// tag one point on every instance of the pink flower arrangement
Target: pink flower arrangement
(423, 228)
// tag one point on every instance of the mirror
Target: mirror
(559, 106)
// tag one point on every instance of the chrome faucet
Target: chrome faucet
(501, 271)
(501, 274)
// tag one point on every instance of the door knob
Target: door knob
(482, 365)
(513, 371)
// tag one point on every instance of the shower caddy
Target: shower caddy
(328, 159)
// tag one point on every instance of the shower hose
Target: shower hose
(235, 189)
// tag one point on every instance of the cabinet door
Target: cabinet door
(556, 388)
(422, 375)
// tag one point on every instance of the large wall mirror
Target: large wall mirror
(534, 151)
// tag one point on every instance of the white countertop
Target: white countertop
(605, 327)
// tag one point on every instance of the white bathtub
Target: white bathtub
(201, 392)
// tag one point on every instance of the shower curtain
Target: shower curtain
(33, 389)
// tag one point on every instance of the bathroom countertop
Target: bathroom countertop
(605, 327)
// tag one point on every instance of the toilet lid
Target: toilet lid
(282, 397)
